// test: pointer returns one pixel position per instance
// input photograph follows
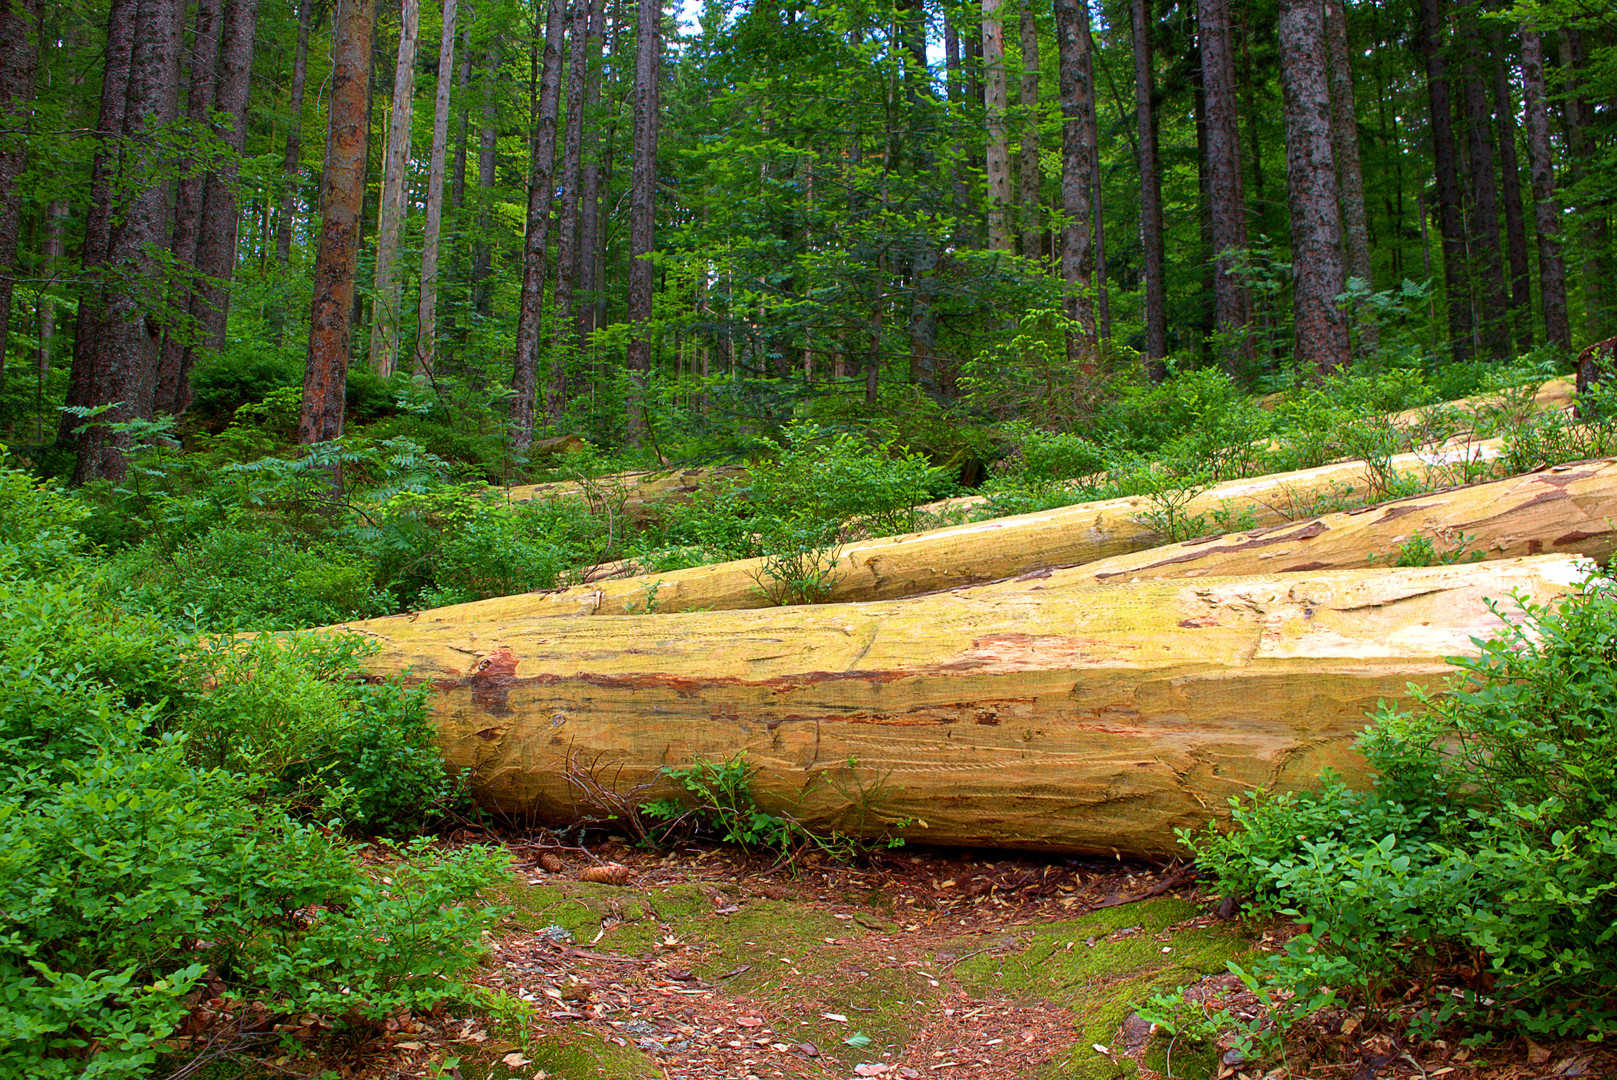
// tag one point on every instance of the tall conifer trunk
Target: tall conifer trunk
(1321, 337)
(589, 254)
(1076, 82)
(1579, 113)
(129, 341)
(1510, 191)
(536, 241)
(426, 339)
(84, 378)
(20, 43)
(563, 325)
(998, 154)
(488, 141)
(1156, 311)
(1487, 259)
(387, 290)
(342, 205)
(1032, 175)
(292, 162)
(1445, 161)
(1232, 301)
(1546, 211)
(642, 209)
(221, 219)
(1350, 176)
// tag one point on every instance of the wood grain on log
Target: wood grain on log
(1048, 714)
(1563, 510)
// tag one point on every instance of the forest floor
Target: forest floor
(709, 963)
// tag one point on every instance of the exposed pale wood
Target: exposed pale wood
(1556, 394)
(1053, 714)
(895, 566)
(1564, 510)
(637, 491)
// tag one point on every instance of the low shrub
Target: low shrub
(1488, 845)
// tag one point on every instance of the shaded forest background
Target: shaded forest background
(486, 224)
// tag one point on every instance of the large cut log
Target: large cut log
(1051, 714)
(636, 494)
(1564, 510)
(897, 566)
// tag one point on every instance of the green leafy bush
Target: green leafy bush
(248, 577)
(129, 873)
(1490, 836)
(289, 708)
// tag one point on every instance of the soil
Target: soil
(710, 963)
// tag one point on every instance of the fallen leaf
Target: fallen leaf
(516, 1061)
(1536, 1053)
(857, 1040)
(409, 1046)
(837, 1017)
(749, 1021)
(809, 1048)
(870, 1070)
(1099, 1049)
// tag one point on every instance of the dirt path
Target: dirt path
(707, 965)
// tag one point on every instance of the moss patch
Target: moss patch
(1098, 967)
(566, 1055)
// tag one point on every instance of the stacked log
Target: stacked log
(897, 566)
(1055, 714)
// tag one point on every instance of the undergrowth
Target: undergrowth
(1475, 884)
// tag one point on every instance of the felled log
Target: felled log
(635, 494)
(1556, 394)
(1563, 510)
(1053, 714)
(895, 566)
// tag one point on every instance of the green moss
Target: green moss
(568, 1055)
(1100, 982)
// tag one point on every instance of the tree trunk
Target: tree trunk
(996, 100)
(1052, 716)
(1076, 81)
(1321, 339)
(20, 43)
(292, 162)
(536, 240)
(1350, 176)
(426, 333)
(216, 236)
(1510, 189)
(888, 567)
(1032, 172)
(563, 325)
(1546, 211)
(1156, 310)
(56, 216)
(488, 135)
(1232, 301)
(589, 259)
(191, 191)
(342, 199)
(387, 291)
(84, 379)
(1445, 161)
(642, 209)
(1581, 151)
(1487, 260)
(130, 336)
